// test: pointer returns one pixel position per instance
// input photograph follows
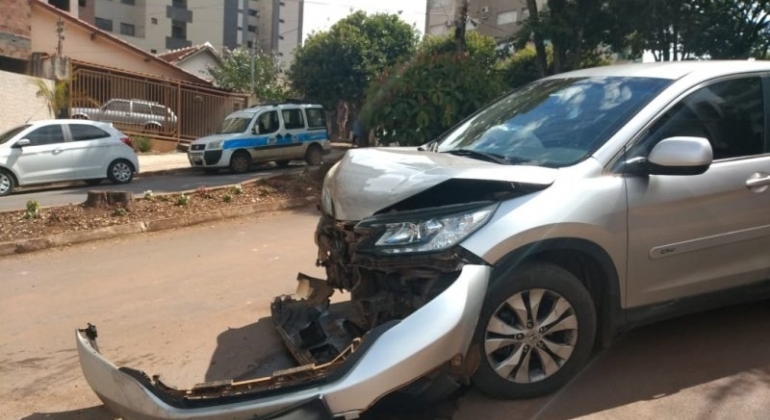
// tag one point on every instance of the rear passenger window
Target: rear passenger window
(316, 118)
(292, 119)
(82, 132)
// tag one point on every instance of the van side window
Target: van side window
(268, 122)
(316, 118)
(292, 119)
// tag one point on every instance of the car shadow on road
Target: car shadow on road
(98, 412)
(249, 352)
(730, 345)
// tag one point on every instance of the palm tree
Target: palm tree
(57, 98)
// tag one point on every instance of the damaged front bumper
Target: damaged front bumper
(385, 359)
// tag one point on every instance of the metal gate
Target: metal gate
(163, 109)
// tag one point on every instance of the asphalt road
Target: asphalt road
(190, 305)
(75, 193)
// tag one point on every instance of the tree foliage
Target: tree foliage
(338, 64)
(418, 100)
(236, 74)
(56, 96)
(480, 48)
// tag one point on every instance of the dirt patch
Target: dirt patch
(35, 222)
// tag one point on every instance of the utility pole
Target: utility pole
(461, 23)
(59, 36)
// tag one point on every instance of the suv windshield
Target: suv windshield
(234, 125)
(553, 123)
(4, 137)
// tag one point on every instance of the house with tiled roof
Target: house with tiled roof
(196, 59)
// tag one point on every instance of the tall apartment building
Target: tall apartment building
(279, 27)
(496, 18)
(162, 25)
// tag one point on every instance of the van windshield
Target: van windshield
(553, 123)
(234, 125)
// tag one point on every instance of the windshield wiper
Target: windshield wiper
(475, 154)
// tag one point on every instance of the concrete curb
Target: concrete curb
(72, 238)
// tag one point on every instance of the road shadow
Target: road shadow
(98, 412)
(249, 352)
(730, 345)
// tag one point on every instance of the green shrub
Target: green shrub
(143, 144)
(32, 210)
(182, 200)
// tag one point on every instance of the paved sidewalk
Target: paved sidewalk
(163, 162)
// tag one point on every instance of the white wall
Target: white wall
(199, 65)
(18, 102)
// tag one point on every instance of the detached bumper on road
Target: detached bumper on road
(388, 358)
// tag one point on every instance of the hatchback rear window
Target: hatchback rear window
(82, 132)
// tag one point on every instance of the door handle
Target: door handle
(758, 180)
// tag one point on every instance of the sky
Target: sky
(320, 15)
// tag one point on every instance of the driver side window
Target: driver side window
(729, 114)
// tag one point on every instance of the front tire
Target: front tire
(120, 172)
(7, 183)
(240, 162)
(536, 332)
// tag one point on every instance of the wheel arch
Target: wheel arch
(13, 174)
(587, 261)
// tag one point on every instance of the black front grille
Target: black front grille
(212, 156)
(197, 147)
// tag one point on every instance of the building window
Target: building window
(178, 29)
(250, 44)
(82, 3)
(154, 51)
(252, 12)
(252, 28)
(437, 4)
(506, 18)
(179, 3)
(131, 2)
(104, 24)
(154, 21)
(281, 21)
(127, 29)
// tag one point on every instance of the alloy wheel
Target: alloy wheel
(531, 335)
(121, 172)
(6, 183)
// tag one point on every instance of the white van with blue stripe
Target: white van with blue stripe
(280, 133)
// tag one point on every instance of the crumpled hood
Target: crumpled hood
(368, 180)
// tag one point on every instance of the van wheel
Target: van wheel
(282, 163)
(314, 155)
(6, 183)
(240, 162)
(536, 332)
(120, 172)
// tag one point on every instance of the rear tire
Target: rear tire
(240, 162)
(7, 183)
(314, 155)
(120, 172)
(536, 332)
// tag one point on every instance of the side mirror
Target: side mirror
(21, 143)
(680, 156)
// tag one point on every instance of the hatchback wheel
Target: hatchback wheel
(536, 331)
(6, 183)
(120, 172)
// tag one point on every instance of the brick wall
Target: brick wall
(15, 31)
(18, 100)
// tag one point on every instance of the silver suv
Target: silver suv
(150, 117)
(502, 253)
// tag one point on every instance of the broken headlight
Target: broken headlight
(427, 231)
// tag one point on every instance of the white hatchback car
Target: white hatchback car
(65, 150)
